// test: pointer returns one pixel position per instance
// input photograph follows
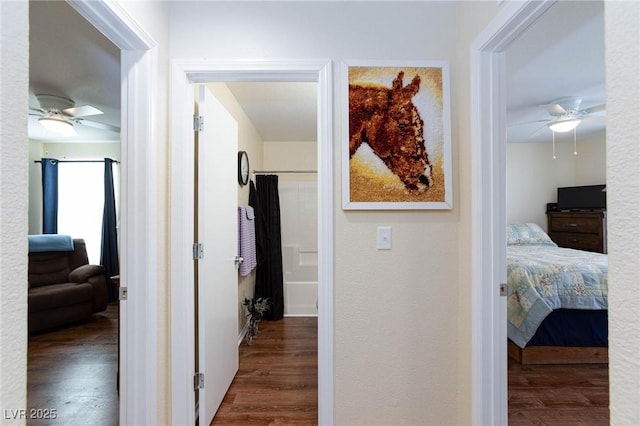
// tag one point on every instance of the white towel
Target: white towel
(247, 239)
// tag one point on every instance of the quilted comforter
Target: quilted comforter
(542, 278)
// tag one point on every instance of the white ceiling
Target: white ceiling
(68, 57)
(561, 55)
(280, 111)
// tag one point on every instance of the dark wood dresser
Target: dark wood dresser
(582, 230)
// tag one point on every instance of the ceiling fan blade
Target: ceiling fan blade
(96, 125)
(563, 106)
(539, 131)
(554, 109)
(596, 108)
(83, 111)
(522, 123)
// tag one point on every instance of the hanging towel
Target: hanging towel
(261, 226)
(246, 239)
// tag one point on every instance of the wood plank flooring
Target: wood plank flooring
(72, 370)
(558, 394)
(277, 381)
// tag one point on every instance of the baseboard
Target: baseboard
(301, 315)
(243, 333)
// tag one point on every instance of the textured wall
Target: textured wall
(396, 327)
(13, 206)
(622, 46)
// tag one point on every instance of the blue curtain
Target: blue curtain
(49, 195)
(109, 252)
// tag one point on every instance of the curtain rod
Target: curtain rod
(79, 161)
(264, 172)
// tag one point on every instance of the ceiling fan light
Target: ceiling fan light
(57, 125)
(564, 126)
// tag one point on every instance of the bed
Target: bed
(556, 300)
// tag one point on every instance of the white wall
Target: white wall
(533, 176)
(622, 46)
(591, 161)
(288, 155)
(394, 289)
(35, 187)
(14, 72)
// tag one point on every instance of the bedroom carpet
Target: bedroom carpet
(576, 394)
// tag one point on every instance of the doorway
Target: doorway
(73, 65)
(539, 72)
(139, 218)
(488, 247)
(184, 76)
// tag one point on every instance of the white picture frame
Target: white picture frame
(392, 112)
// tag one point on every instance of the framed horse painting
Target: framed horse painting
(396, 149)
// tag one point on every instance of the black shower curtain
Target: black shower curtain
(269, 275)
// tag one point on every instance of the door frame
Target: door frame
(139, 221)
(184, 74)
(488, 209)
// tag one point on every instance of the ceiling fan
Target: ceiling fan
(564, 115)
(59, 115)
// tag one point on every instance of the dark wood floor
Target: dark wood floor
(558, 394)
(71, 371)
(277, 382)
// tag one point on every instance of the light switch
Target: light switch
(384, 238)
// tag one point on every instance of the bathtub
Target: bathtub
(300, 281)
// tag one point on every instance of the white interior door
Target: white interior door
(217, 232)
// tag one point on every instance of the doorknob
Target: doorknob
(238, 260)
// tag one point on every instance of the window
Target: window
(81, 202)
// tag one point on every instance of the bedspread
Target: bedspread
(542, 278)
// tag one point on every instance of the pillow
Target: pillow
(527, 233)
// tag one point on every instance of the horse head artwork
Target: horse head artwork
(388, 121)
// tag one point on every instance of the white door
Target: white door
(217, 232)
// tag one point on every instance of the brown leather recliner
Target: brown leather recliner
(64, 288)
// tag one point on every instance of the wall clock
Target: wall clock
(243, 168)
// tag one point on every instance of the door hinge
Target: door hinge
(503, 289)
(123, 293)
(198, 251)
(198, 381)
(198, 123)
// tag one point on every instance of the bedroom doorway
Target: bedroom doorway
(539, 73)
(63, 47)
(184, 76)
(488, 250)
(138, 362)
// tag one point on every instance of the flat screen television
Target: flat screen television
(588, 197)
